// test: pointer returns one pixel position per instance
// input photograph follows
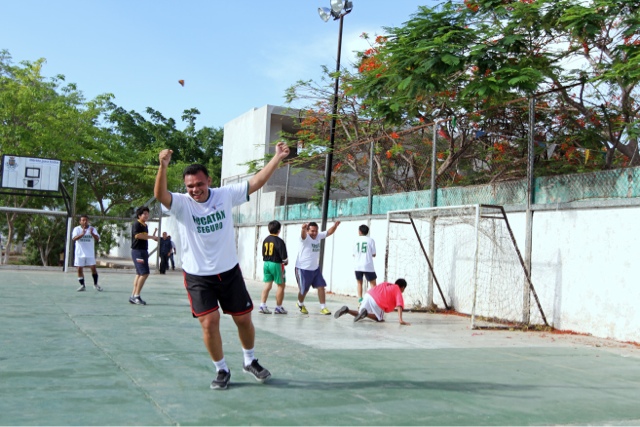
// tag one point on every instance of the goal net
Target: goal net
(463, 258)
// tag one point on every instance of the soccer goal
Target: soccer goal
(465, 258)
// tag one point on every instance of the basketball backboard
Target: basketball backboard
(30, 173)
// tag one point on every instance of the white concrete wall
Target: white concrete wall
(245, 139)
(585, 260)
(583, 266)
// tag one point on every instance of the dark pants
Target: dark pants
(173, 264)
(164, 263)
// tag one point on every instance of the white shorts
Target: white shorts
(84, 262)
(370, 305)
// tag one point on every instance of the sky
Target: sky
(232, 55)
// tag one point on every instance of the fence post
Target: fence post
(68, 245)
(69, 252)
(526, 296)
(432, 221)
(370, 201)
(286, 192)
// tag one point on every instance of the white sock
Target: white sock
(221, 365)
(248, 356)
(263, 304)
(321, 306)
(301, 304)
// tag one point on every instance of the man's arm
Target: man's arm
(79, 235)
(303, 232)
(258, 180)
(160, 189)
(333, 228)
(145, 236)
(402, 322)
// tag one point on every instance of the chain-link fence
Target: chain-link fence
(502, 155)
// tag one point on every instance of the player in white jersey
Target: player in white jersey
(85, 236)
(308, 273)
(212, 275)
(364, 250)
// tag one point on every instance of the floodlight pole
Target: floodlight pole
(329, 160)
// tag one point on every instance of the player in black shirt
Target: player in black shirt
(274, 255)
(140, 253)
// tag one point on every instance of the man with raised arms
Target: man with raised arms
(212, 275)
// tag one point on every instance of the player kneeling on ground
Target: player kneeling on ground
(381, 299)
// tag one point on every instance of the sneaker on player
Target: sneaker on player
(325, 311)
(259, 373)
(280, 310)
(222, 380)
(97, 288)
(137, 300)
(363, 313)
(341, 311)
(302, 308)
(81, 289)
(264, 309)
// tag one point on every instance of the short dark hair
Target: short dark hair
(312, 224)
(194, 169)
(141, 210)
(401, 283)
(364, 229)
(84, 216)
(274, 227)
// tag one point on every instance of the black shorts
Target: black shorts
(369, 275)
(226, 289)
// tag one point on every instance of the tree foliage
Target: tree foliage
(114, 153)
(470, 67)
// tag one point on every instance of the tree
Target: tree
(115, 151)
(471, 61)
(40, 117)
(470, 67)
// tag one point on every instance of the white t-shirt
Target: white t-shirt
(85, 246)
(206, 229)
(364, 249)
(309, 252)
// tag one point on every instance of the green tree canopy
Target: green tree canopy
(113, 151)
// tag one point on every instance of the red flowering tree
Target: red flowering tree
(470, 66)
(474, 60)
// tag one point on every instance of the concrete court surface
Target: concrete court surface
(89, 358)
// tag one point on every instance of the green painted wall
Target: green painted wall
(602, 185)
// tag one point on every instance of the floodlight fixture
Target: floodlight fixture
(325, 13)
(339, 8)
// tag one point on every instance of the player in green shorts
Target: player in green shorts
(274, 255)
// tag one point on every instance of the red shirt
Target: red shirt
(388, 296)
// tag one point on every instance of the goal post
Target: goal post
(473, 264)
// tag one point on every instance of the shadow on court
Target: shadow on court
(91, 358)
